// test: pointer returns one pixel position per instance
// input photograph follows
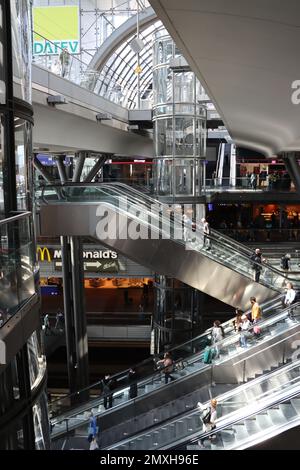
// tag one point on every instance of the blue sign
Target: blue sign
(48, 160)
(49, 290)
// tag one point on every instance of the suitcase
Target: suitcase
(208, 355)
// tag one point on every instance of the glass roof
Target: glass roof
(118, 80)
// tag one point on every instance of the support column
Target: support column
(79, 312)
(98, 165)
(25, 392)
(68, 313)
(78, 166)
(9, 159)
(61, 168)
(75, 317)
(292, 166)
(39, 167)
(176, 313)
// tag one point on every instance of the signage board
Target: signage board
(56, 28)
(94, 260)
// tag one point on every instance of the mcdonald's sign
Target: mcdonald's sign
(41, 252)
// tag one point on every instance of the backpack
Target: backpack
(284, 263)
(206, 416)
(297, 297)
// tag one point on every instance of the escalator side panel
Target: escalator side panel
(164, 256)
(233, 371)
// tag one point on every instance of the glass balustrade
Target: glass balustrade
(188, 359)
(148, 212)
(17, 260)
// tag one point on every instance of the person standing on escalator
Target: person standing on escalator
(257, 259)
(168, 367)
(107, 385)
(206, 234)
(255, 310)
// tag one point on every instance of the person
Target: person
(214, 178)
(244, 332)
(59, 324)
(237, 322)
(55, 68)
(64, 58)
(177, 303)
(93, 428)
(94, 444)
(132, 379)
(168, 367)
(285, 262)
(217, 334)
(249, 180)
(187, 228)
(47, 324)
(290, 294)
(253, 180)
(106, 389)
(255, 310)
(257, 259)
(126, 296)
(208, 417)
(290, 298)
(142, 307)
(206, 232)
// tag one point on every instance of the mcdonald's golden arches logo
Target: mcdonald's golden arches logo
(41, 252)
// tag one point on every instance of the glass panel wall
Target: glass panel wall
(179, 122)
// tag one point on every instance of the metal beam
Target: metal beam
(119, 36)
(41, 169)
(78, 166)
(292, 166)
(98, 165)
(61, 168)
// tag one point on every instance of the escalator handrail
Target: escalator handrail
(220, 243)
(233, 338)
(182, 345)
(220, 399)
(277, 401)
(214, 234)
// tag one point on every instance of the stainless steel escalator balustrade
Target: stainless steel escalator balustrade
(234, 409)
(193, 353)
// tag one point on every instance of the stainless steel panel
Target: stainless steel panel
(18, 329)
(163, 256)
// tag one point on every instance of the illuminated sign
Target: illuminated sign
(41, 254)
(55, 29)
(91, 254)
(94, 260)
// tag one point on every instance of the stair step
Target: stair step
(288, 410)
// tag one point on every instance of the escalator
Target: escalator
(246, 416)
(142, 229)
(155, 402)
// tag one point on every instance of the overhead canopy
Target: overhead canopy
(247, 55)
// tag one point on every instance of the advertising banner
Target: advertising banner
(55, 29)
